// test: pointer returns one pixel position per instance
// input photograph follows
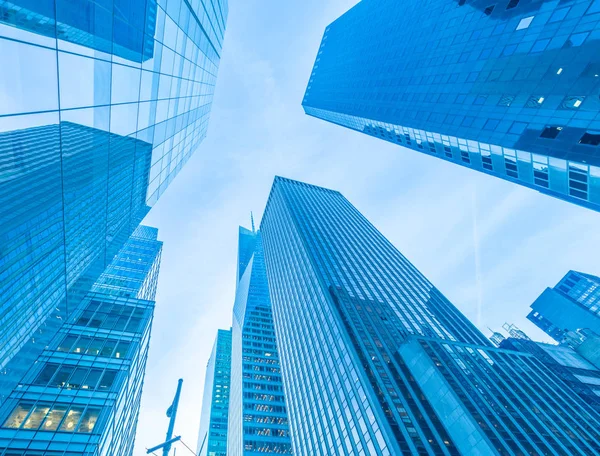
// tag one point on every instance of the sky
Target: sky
(490, 246)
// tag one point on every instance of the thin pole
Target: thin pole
(172, 413)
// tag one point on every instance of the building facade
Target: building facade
(573, 369)
(572, 305)
(509, 87)
(81, 396)
(377, 361)
(212, 437)
(101, 105)
(258, 420)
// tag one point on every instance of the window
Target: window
(95, 347)
(506, 100)
(48, 417)
(76, 380)
(70, 422)
(572, 102)
(18, 415)
(81, 345)
(550, 132)
(54, 418)
(88, 421)
(559, 15)
(512, 4)
(62, 376)
(108, 348)
(518, 128)
(489, 10)
(591, 139)
(525, 23)
(36, 417)
(107, 380)
(594, 8)
(534, 101)
(67, 343)
(540, 45)
(92, 379)
(491, 124)
(576, 39)
(46, 374)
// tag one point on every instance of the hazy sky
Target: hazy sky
(490, 246)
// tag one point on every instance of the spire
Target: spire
(252, 219)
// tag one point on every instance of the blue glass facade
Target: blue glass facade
(375, 360)
(212, 437)
(101, 105)
(81, 396)
(573, 304)
(506, 87)
(258, 420)
(577, 372)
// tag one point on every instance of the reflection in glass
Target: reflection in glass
(71, 420)
(36, 417)
(89, 420)
(54, 418)
(46, 374)
(18, 415)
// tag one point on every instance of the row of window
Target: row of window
(578, 178)
(53, 417)
(116, 317)
(73, 377)
(94, 346)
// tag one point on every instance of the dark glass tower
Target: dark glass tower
(81, 396)
(101, 105)
(258, 420)
(573, 304)
(212, 437)
(377, 361)
(509, 88)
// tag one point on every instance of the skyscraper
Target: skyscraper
(377, 361)
(212, 437)
(573, 304)
(82, 394)
(101, 105)
(258, 420)
(508, 88)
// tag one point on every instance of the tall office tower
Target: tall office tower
(212, 437)
(573, 304)
(81, 396)
(573, 369)
(257, 408)
(377, 361)
(101, 105)
(505, 87)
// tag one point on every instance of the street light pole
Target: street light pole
(172, 414)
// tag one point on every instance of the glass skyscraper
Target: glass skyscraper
(101, 105)
(212, 437)
(258, 420)
(81, 395)
(375, 360)
(573, 304)
(505, 87)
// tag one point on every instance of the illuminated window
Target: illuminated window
(70, 422)
(18, 415)
(89, 420)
